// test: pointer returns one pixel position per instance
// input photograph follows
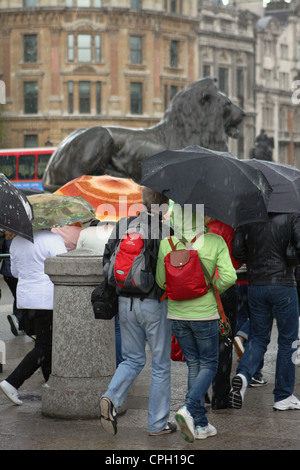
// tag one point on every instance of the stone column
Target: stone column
(83, 356)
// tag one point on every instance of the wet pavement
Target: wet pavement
(255, 427)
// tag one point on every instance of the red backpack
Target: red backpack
(130, 265)
(184, 275)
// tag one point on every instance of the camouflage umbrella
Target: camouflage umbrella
(55, 210)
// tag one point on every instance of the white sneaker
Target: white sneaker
(289, 403)
(11, 392)
(237, 392)
(186, 423)
(204, 432)
(297, 360)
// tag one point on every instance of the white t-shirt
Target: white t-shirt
(95, 238)
(34, 289)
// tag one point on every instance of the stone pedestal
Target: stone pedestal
(83, 356)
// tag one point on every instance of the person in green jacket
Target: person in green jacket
(195, 321)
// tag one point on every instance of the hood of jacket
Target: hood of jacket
(186, 223)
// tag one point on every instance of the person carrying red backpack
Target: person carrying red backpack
(142, 315)
(195, 320)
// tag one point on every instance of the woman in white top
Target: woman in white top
(35, 297)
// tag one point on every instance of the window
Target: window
(8, 165)
(98, 97)
(268, 117)
(29, 3)
(284, 51)
(84, 48)
(135, 49)
(206, 70)
(30, 97)
(240, 86)
(30, 48)
(136, 91)
(26, 168)
(267, 48)
(84, 97)
(284, 81)
(98, 48)
(70, 97)
(71, 54)
(169, 93)
(173, 6)
(88, 48)
(173, 91)
(42, 162)
(136, 4)
(268, 76)
(223, 80)
(84, 3)
(174, 47)
(30, 140)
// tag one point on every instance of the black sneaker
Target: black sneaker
(108, 415)
(171, 427)
(257, 382)
(14, 325)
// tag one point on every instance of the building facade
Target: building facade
(81, 63)
(277, 69)
(68, 64)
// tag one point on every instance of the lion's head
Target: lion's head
(200, 114)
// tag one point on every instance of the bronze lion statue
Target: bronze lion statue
(198, 115)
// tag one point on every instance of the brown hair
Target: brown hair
(153, 197)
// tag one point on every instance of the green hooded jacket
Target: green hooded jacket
(213, 252)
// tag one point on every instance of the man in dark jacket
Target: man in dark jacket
(272, 293)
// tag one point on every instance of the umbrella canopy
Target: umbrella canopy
(285, 183)
(16, 212)
(231, 191)
(55, 210)
(104, 192)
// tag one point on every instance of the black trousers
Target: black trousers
(40, 355)
(221, 383)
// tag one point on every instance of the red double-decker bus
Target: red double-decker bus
(25, 167)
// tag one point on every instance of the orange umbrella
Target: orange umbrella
(111, 197)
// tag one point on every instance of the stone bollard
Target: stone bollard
(83, 351)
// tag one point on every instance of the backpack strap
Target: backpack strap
(216, 294)
(171, 244)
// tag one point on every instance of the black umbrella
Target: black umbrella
(285, 183)
(231, 191)
(15, 210)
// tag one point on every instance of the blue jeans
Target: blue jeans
(141, 320)
(118, 341)
(267, 303)
(243, 321)
(243, 314)
(199, 342)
